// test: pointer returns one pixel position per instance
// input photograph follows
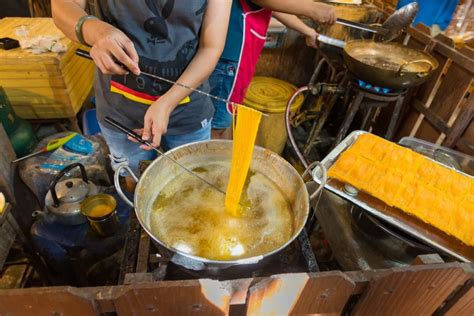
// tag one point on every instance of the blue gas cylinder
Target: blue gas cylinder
(68, 249)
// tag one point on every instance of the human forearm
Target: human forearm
(200, 68)
(66, 13)
(293, 22)
(318, 12)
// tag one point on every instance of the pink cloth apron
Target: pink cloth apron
(255, 29)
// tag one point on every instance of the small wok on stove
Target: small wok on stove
(389, 65)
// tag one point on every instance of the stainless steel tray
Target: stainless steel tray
(411, 225)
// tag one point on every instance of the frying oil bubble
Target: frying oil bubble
(190, 216)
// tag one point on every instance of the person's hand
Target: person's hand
(322, 13)
(156, 123)
(110, 44)
(311, 37)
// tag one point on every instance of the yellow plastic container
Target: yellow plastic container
(270, 96)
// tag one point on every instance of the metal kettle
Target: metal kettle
(63, 200)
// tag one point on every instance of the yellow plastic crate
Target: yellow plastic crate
(44, 86)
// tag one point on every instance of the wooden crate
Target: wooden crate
(427, 288)
(45, 86)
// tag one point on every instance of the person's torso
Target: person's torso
(165, 34)
(235, 32)
(245, 40)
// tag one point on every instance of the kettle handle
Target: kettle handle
(61, 174)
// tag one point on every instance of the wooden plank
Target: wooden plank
(424, 94)
(53, 82)
(408, 122)
(34, 74)
(466, 141)
(427, 259)
(27, 67)
(411, 291)
(465, 145)
(7, 170)
(457, 57)
(467, 51)
(465, 304)
(428, 90)
(79, 82)
(421, 33)
(463, 120)
(46, 302)
(324, 293)
(276, 295)
(143, 253)
(445, 40)
(415, 44)
(203, 297)
(452, 91)
(449, 96)
(43, 112)
(45, 92)
(431, 117)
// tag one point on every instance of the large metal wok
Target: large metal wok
(388, 65)
(162, 171)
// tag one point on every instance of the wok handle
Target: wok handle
(331, 41)
(417, 61)
(117, 182)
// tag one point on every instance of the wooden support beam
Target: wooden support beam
(431, 117)
(427, 259)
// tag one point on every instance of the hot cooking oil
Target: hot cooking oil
(190, 216)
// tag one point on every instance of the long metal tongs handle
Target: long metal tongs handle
(360, 26)
(86, 54)
(137, 137)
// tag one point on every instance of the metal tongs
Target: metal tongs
(363, 27)
(137, 137)
(390, 29)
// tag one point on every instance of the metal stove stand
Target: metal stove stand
(142, 262)
(371, 101)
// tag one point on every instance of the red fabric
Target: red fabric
(255, 29)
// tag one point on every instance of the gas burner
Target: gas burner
(143, 258)
(387, 240)
(360, 242)
(369, 87)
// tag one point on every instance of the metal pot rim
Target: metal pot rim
(250, 260)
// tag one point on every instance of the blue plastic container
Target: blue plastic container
(90, 126)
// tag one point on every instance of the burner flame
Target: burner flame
(371, 87)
